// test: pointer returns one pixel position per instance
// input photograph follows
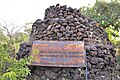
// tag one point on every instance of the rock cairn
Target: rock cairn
(62, 23)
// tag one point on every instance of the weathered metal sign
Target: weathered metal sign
(58, 53)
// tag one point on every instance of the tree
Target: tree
(10, 67)
(108, 14)
(3, 39)
(14, 37)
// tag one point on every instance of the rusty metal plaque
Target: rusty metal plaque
(58, 53)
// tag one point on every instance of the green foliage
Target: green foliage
(9, 76)
(113, 35)
(108, 14)
(2, 36)
(10, 68)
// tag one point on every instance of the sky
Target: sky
(19, 12)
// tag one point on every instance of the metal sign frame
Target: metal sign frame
(58, 53)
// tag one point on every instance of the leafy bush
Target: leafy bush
(12, 69)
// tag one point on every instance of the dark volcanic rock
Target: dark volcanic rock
(93, 53)
(67, 24)
(94, 60)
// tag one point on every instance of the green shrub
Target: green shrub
(12, 69)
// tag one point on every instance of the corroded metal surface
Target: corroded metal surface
(58, 53)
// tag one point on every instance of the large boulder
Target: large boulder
(62, 23)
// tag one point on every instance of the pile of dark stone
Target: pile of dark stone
(62, 23)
